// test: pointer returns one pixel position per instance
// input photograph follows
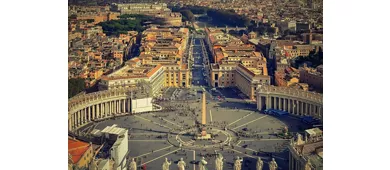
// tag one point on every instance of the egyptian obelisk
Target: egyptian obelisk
(204, 108)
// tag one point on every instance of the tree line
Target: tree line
(314, 59)
(128, 22)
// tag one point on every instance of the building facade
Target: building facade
(307, 153)
(80, 154)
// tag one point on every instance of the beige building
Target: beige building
(244, 73)
(312, 76)
(298, 50)
(141, 8)
(129, 76)
(307, 153)
(177, 75)
(248, 79)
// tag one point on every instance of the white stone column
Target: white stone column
(117, 106)
(113, 107)
(107, 107)
(103, 110)
(280, 103)
(260, 105)
(79, 118)
(70, 123)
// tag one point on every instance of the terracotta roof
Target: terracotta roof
(154, 70)
(77, 149)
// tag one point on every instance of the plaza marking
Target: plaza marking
(250, 122)
(211, 116)
(241, 153)
(262, 133)
(161, 156)
(135, 140)
(193, 151)
(240, 119)
(168, 121)
(267, 156)
(147, 133)
(152, 122)
(248, 140)
(154, 151)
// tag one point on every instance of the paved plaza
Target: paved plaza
(151, 134)
(238, 128)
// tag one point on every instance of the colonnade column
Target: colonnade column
(268, 102)
(117, 108)
(70, 124)
(94, 111)
(308, 109)
(124, 105)
(87, 117)
(129, 104)
(107, 107)
(89, 110)
(295, 107)
(102, 105)
(79, 118)
(83, 116)
(259, 106)
(111, 107)
(300, 108)
(287, 105)
(274, 106)
(280, 103)
(99, 110)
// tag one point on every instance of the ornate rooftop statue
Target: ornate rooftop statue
(237, 163)
(219, 162)
(133, 165)
(259, 164)
(181, 164)
(273, 165)
(202, 164)
(166, 164)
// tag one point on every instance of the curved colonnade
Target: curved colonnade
(85, 108)
(293, 101)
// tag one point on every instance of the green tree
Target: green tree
(187, 14)
(75, 86)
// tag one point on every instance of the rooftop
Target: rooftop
(77, 148)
